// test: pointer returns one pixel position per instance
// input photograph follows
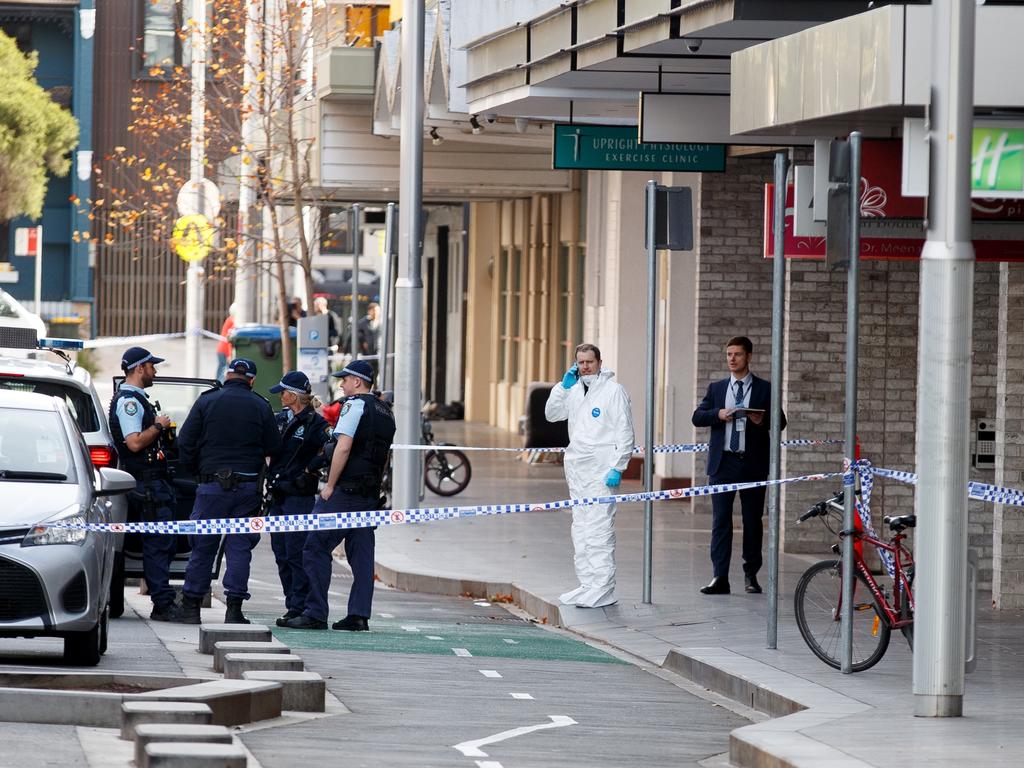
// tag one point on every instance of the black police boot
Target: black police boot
(189, 610)
(233, 615)
(166, 612)
(288, 616)
(352, 623)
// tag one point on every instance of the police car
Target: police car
(54, 581)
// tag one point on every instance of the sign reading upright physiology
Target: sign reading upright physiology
(617, 148)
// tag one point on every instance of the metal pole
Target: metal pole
(850, 446)
(409, 287)
(38, 292)
(944, 373)
(383, 364)
(244, 262)
(197, 138)
(357, 235)
(775, 457)
(652, 318)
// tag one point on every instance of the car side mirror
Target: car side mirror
(114, 482)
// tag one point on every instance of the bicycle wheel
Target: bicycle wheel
(447, 472)
(817, 601)
(906, 612)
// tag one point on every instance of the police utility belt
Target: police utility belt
(367, 485)
(228, 479)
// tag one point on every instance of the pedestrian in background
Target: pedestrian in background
(292, 481)
(226, 440)
(600, 446)
(365, 431)
(320, 307)
(224, 346)
(738, 410)
(138, 432)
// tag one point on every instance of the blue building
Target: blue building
(62, 33)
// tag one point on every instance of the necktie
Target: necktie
(734, 438)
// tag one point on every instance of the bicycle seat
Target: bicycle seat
(902, 522)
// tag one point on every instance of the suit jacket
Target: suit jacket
(757, 447)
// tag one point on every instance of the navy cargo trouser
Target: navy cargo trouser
(154, 502)
(213, 502)
(288, 548)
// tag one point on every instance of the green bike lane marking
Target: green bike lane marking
(480, 639)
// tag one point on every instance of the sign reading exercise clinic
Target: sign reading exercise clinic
(617, 148)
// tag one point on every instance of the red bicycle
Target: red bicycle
(876, 611)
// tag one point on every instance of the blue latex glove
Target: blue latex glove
(570, 378)
(613, 478)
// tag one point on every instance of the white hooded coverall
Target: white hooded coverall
(600, 439)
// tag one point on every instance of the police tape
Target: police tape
(315, 521)
(668, 448)
(126, 341)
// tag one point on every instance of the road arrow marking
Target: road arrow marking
(472, 748)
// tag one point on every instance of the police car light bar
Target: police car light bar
(75, 344)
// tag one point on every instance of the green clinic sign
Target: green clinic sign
(997, 162)
(616, 148)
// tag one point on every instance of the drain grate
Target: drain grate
(502, 619)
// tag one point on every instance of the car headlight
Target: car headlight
(41, 533)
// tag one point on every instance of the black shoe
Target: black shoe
(352, 624)
(167, 612)
(233, 615)
(718, 586)
(189, 611)
(303, 622)
(288, 617)
(752, 587)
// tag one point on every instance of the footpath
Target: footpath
(819, 717)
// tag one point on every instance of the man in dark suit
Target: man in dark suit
(738, 411)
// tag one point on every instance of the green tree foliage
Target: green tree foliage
(36, 134)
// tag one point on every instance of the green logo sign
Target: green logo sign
(997, 161)
(616, 148)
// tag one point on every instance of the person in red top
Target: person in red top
(224, 352)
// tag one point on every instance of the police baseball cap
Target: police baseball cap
(136, 356)
(243, 367)
(358, 368)
(293, 381)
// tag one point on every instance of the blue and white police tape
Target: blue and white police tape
(127, 341)
(366, 519)
(669, 448)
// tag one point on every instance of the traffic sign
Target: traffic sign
(192, 238)
(199, 197)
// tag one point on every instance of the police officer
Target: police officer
(226, 440)
(138, 437)
(292, 481)
(365, 430)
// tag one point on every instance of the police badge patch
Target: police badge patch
(131, 407)
(345, 408)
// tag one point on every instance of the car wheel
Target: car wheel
(84, 649)
(117, 586)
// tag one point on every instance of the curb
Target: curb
(792, 702)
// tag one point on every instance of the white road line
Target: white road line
(410, 628)
(490, 673)
(461, 652)
(521, 696)
(472, 748)
(386, 615)
(434, 637)
(482, 603)
(511, 642)
(488, 764)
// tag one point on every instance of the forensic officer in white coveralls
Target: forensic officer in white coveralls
(600, 445)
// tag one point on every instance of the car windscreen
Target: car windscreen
(78, 402)
(175, 399)
(34, 447)
(6, 309)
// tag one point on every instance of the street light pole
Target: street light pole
(409, 286)
(194, 275)
(944, 372)
(245, 273)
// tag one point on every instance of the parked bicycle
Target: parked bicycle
(446, 472)
(876, 610)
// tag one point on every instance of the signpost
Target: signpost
(617, 148)
(192, 237)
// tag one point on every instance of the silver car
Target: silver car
(54, 582)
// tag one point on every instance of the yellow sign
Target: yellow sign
(192, 238)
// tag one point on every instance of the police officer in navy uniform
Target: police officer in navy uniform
(365, 430)
(292, 481)
(138, 433)
(226, 440)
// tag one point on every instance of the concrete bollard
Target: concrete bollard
(211, 634)
(136, 713)
(224, 647)
(152, 733)
(302, 691)
(191, 755)
(237, 663)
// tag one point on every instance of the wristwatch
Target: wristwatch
(159, 427)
